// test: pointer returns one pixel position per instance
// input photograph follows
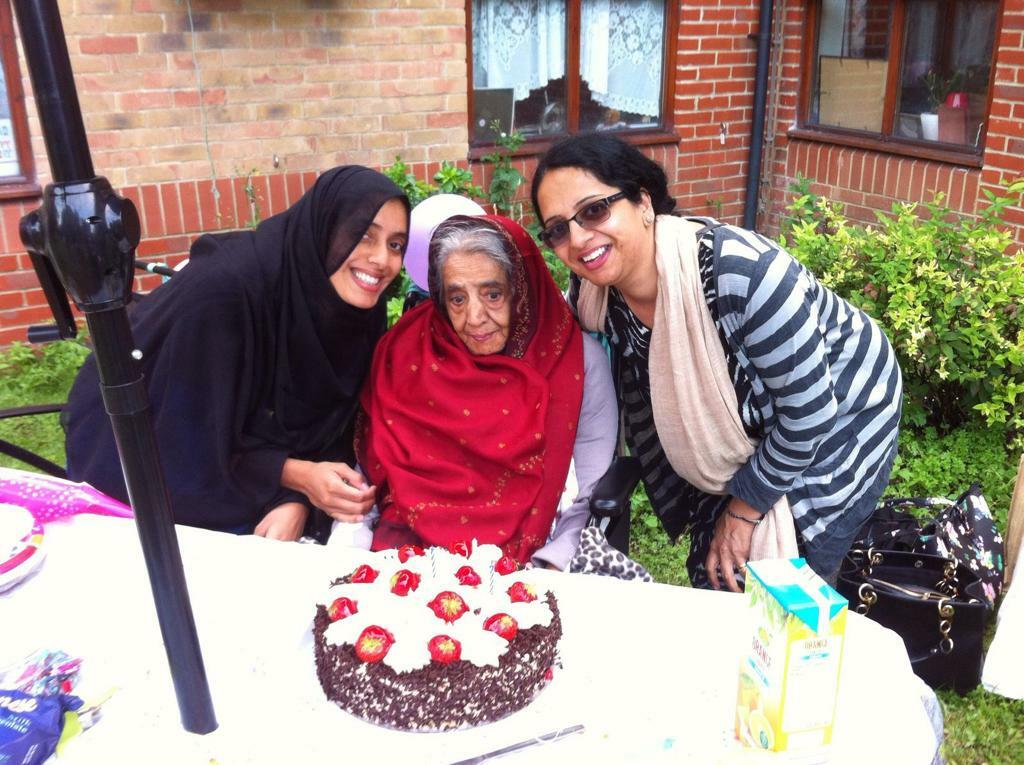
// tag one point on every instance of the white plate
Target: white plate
(21, 545)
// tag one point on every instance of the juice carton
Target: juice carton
(790, 674)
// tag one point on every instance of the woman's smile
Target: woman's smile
(376, 259)
(367, 280)
(595, 258)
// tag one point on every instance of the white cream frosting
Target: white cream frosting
(413, 623)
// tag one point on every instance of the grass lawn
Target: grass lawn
(981, 728)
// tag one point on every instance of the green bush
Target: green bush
(39, 375)
(932, 464)
(414, 188)
(31, 375)
(946, 289)
(452, 179)
(505, 179)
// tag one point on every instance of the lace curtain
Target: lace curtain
(621, 53)
(520, 44)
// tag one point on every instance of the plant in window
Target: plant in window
(939, 87)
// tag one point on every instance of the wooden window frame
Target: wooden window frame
(884, 142)
(23, 185)
(664, 133)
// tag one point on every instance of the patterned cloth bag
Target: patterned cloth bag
(596, 556)
(965, 531)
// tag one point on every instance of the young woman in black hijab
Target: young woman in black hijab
(254, 356)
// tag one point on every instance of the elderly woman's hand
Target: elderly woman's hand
(285, 522)
(730, 546)
(334, 487)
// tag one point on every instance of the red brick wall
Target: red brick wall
(1004, 147)
(713, 105)
(314, 84)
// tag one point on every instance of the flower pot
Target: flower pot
(930, 126)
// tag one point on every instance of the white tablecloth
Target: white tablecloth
(650, 670)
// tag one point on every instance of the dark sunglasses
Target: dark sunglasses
(587, 217)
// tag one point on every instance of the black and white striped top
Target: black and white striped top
(816, 380)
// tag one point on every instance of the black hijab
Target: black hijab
(324, 345)
(250, 357)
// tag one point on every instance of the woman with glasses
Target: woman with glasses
(745, 385)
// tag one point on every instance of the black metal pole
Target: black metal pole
(89, 234)
(764, 46)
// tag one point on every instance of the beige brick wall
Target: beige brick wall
(314, 84)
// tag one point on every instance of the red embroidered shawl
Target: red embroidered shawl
(475, 447)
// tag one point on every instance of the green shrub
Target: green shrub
(505, 179)
(650, 546)
(30, 375)
(946, 289)
(39, 375)
(932, 464)
(452, 179)
(414, 188)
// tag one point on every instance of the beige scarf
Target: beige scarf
(695, 408)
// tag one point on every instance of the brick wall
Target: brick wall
(291, 88)
(713, 106)
(287, 89)
(1004, 148)
(314, 84)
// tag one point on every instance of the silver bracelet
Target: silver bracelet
(745, 520)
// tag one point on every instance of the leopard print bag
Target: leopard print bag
(596, 556)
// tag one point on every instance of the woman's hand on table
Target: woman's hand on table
(285, 522)
(336, 488)
(730, 545)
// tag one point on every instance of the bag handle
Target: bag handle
(945, 592)
(868, 597)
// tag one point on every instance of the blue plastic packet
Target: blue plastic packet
(30, 726)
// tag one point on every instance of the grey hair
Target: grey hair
(462, 233)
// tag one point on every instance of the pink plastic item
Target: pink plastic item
(49, 498)
(957, 100)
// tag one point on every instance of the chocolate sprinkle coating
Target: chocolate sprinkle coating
(438, 697)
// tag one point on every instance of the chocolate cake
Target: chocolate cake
(436, 639)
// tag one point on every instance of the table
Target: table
(650, 670)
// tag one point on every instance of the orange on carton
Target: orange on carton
(789, 676)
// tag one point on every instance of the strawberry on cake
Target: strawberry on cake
(435, 639)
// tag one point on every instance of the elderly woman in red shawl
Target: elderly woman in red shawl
(485, 403)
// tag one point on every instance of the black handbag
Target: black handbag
(963, 530)
(934, 603)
